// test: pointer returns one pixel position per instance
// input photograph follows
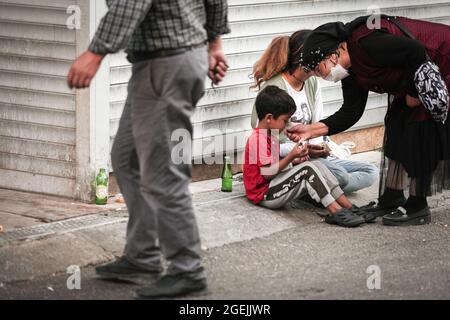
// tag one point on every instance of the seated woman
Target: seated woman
(278, 66)
(271, 182)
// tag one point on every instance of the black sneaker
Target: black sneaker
(172, 286)
(123, 270)
(401, 217)
(373, 210)
(344, 218)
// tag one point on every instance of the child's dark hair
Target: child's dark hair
(275, 101)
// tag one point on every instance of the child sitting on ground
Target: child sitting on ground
(273, 182)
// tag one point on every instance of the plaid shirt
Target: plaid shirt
(151, 25)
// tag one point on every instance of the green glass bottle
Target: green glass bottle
(227, 175)
(101, 187)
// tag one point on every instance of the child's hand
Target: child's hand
(299, 151)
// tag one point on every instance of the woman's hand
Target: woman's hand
(300, 160)
(317, 151)
(412, 102)
(299, 132)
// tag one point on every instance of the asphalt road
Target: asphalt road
(313, 261)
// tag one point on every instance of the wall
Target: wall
(49, 134)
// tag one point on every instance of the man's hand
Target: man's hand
(83, 70)
(217, 61)
(299, 132)
(317, 151)
(412, 102)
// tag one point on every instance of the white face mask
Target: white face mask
(337, 73)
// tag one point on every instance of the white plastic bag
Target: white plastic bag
(339, 151)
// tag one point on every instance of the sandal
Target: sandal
(345, 218)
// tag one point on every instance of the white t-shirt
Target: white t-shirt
(304, 114)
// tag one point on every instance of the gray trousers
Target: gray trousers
(311, 177)
(162, 95)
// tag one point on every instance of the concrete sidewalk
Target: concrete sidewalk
(57, 234)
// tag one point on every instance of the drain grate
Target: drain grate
(74, 224)
(96, 220)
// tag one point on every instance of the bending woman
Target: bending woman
(410, 60)
(279, 66)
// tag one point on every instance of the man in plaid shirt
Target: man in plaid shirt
(173, 45)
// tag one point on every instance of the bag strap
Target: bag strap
(403, 29)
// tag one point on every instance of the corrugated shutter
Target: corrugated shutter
(254, 23)
(37, 110)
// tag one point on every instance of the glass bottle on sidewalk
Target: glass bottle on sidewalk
(227, 175)
(101, 187)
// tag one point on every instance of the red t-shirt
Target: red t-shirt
(262, 149)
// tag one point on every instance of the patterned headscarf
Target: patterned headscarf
(321, 43)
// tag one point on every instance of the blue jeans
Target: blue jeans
(351, 175)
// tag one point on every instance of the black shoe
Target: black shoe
(172, 286)
(345, 218)
(401, 217)
(373, 210)
(360, 211)
(123, 270)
